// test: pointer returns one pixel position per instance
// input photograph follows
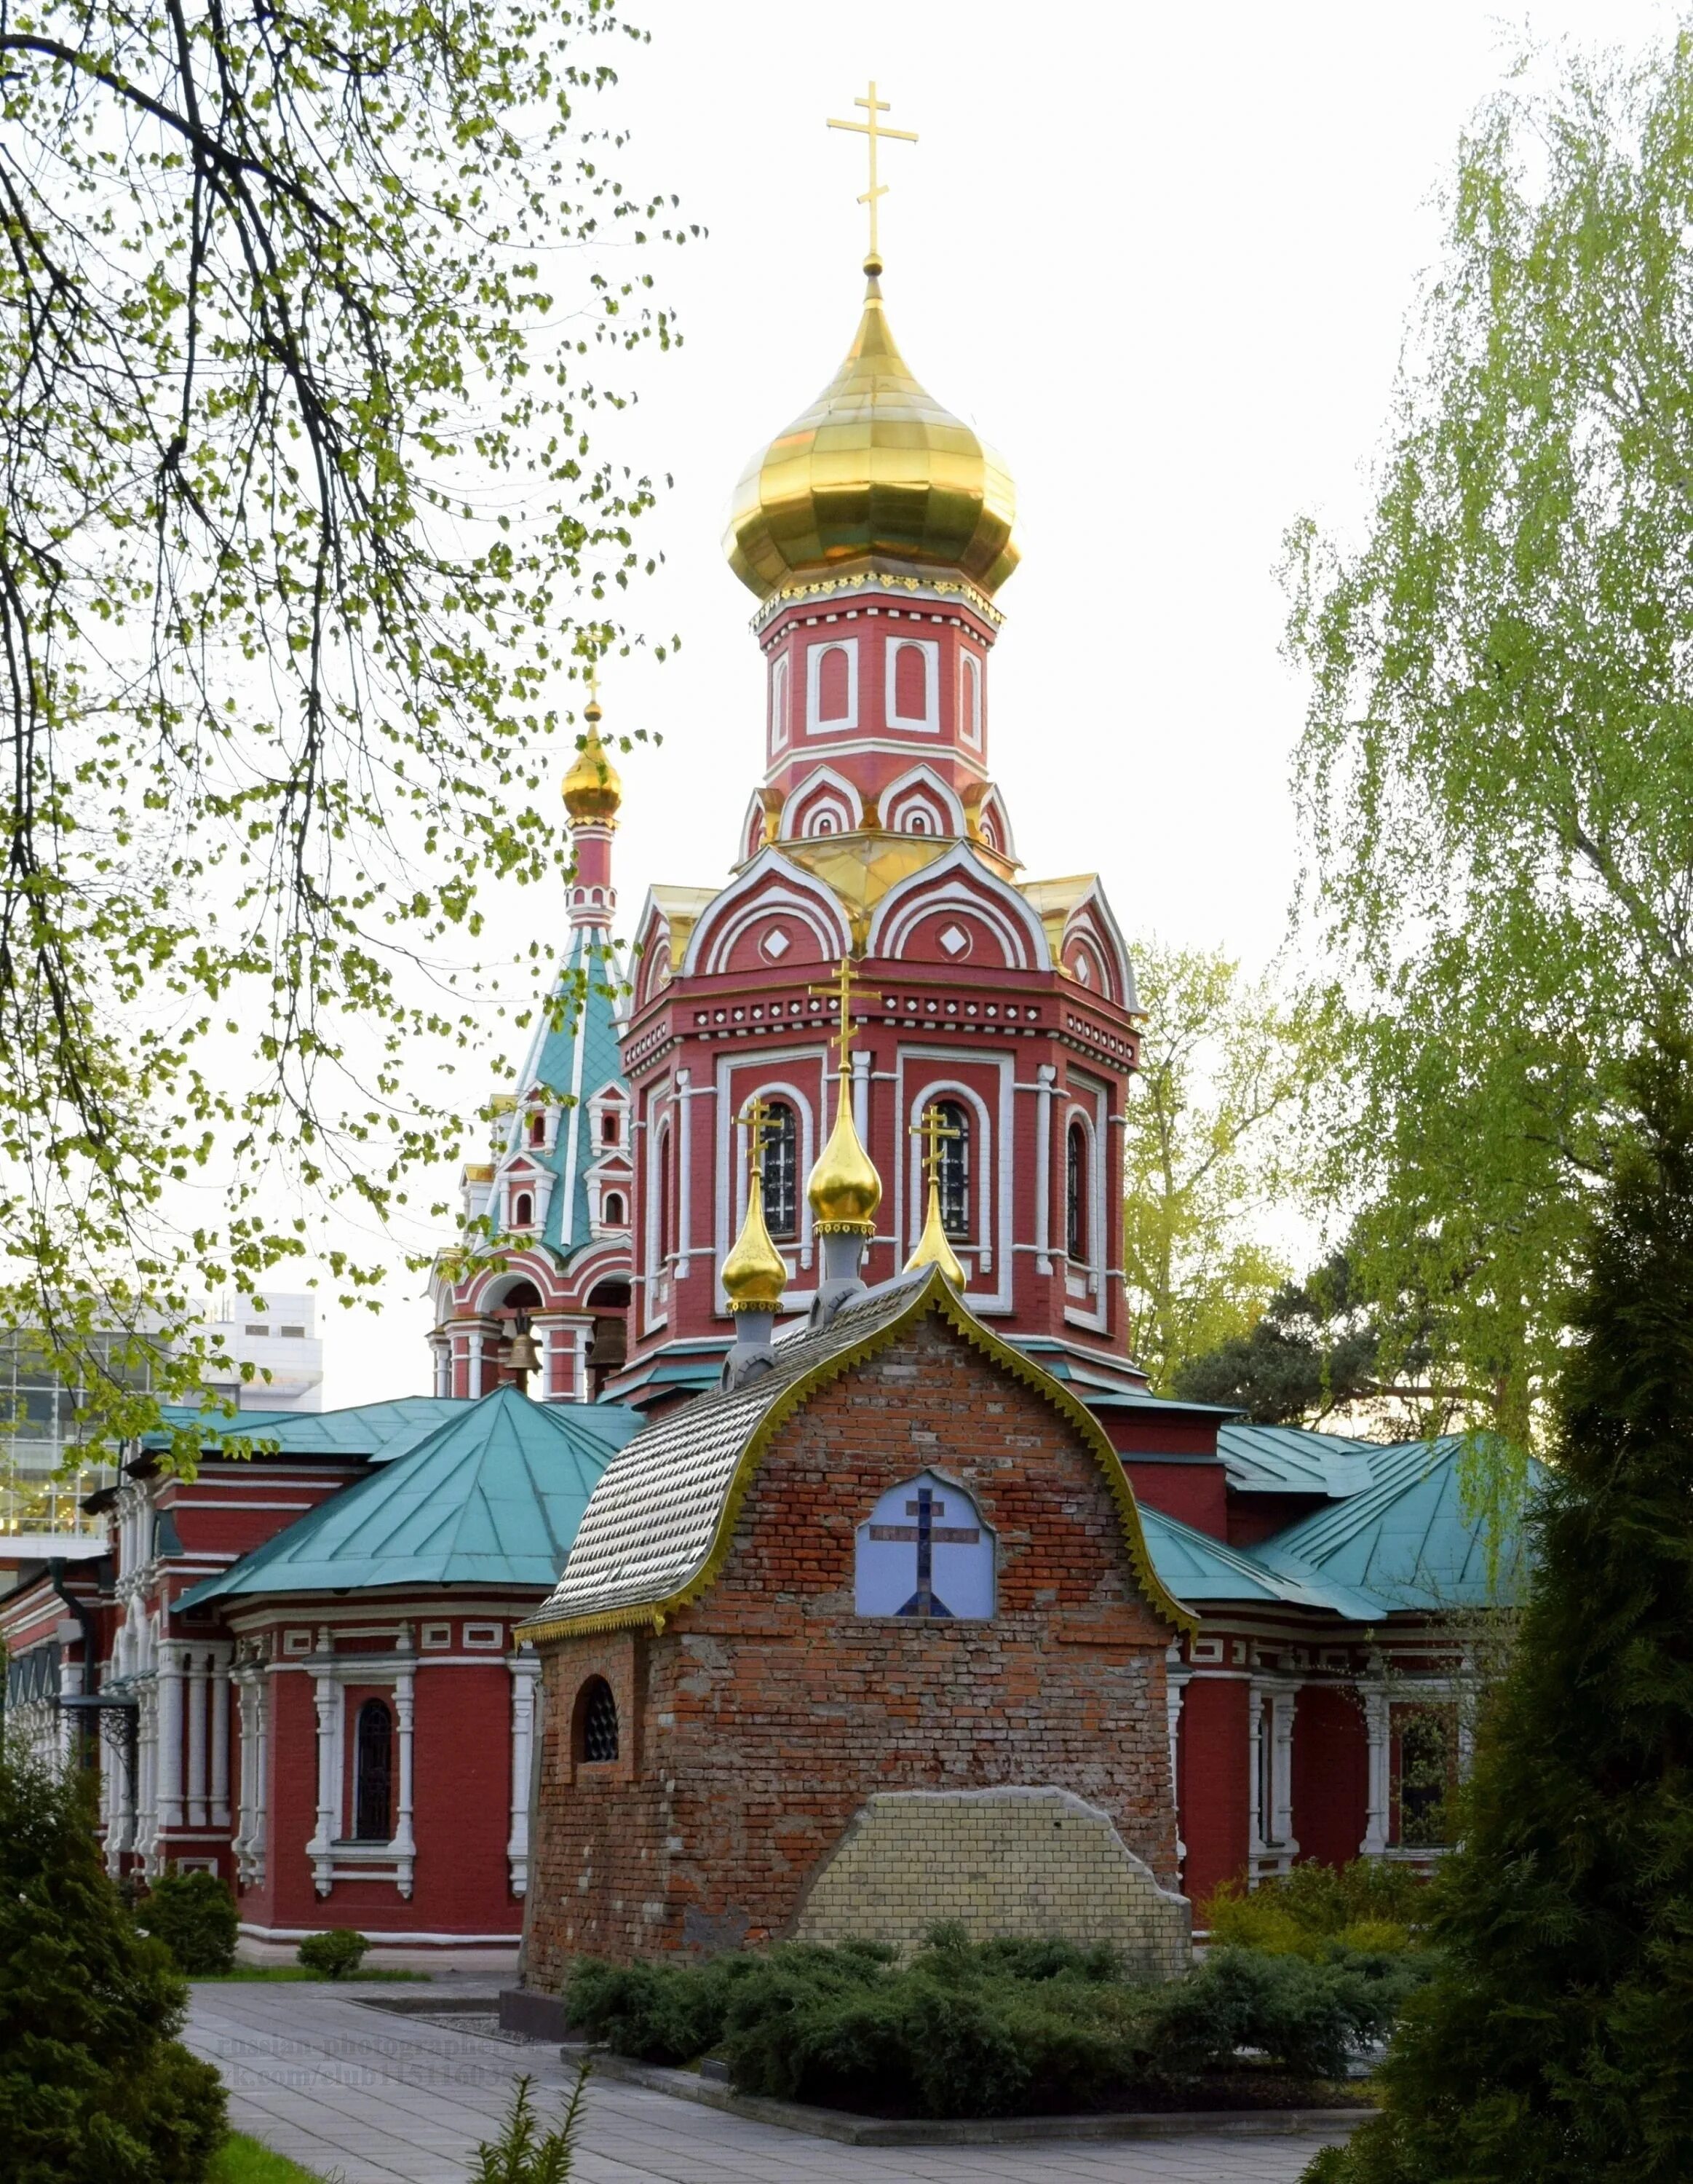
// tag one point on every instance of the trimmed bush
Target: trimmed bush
(994, 2029)
(194, 1915)
(1368, 1906)
(94, 2086)
(336, 1954)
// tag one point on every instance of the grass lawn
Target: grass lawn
(243, 2160)
(292, 1972)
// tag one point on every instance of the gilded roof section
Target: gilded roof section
(659, 1528)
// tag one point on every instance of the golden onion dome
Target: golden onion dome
(843, 1187)
(932, 1247)
(753, 1275)
(592, 787)
(876, 472)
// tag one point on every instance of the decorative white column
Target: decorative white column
(145, 1840)
(862, 1059)
(1378, 1727)
(442, 1352)
(326, 1695)
(258, 1829)
(1046, 1076)
(525, 1668)
(403, 1843)
(218, 1695)
(168, 1739)
(1175, 1691)
(1256, 1815)
(70, 1687)
(580, 1357)
(199, 1662)
(684, 1172)
(473, 1355)
(243, 1820)
(1281, 1706)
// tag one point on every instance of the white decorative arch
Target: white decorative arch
(1092, 917)
(781, 702)
(752, 829)
(936, 1089)
(845, 801)
(486, 1291)
(992, 813)
(770, 884)
(652, 952)
(922, 786)
(960, 881)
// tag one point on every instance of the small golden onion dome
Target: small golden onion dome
(843, 1187)
(933, 1248)
(592, 787)
(875, 472)
(753, 1275)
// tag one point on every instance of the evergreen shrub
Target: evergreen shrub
(335, 1954)
(998, 2028)
(195, 1916)
(1555, 2043)
(95, 2088)
(1367, 1906)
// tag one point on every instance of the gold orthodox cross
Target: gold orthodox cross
(758, 1119)
(933, 1130)
(839, 990)
(873, 132)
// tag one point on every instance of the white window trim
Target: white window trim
(928, 723)
(848, 721)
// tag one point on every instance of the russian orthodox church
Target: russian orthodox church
(789, 1514)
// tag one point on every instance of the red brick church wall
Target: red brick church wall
(754, 1727)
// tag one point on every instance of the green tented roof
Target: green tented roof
(376, 1431)
(491, 1497)
(1201, 1570)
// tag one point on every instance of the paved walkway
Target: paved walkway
(375, 2098)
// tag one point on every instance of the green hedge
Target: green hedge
(1368, 1906)
(1001, 2028)
(195, 1916)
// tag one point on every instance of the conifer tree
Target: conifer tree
(1555, 2046)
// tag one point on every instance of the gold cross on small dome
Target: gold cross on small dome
(873, 132)
(840, 989)
(758, 1120)
(933, 1129)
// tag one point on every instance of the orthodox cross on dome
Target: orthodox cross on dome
(840, 989)
(758, 1119)
(934, 1130)
(873, 132)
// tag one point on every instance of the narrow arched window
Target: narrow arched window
(954, 1178)
(779, 1169)
(1075, 1192)
(596, 1723)
(523, 1210)
(537, 1129)
(614, 1209)
(911, 683)
(373, 1771)
(825, 825)
(608, 1127)
(835, 684)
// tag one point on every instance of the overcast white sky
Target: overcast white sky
(1161, 257)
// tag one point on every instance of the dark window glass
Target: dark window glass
(955, 1172)
(597, 1711)
(781, 1172)
(523, 1210)
(1076, 1193)
(607, 1127)
(373, 1774)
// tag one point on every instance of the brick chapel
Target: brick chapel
(788, 1529)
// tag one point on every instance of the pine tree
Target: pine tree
(1556, 2046)
(94, 2089)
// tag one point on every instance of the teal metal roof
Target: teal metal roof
(1200, 1569)
(1291, 1460)
(378, 1432)
(1408, 1538)
(491, 1497)
(574, 1052)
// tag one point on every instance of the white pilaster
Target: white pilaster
(243, 1814)
(326, 1695)
(199, 1662)
(1045, 1078)
(473, 1353)
(580, 1382)
(1379, 1727)
(70, 1687)
(405, 1843)
(218, 1695)
(259, 1823)
(1281, 1706)
(442, 1353)
(525, 1668)
(684, 1175)
(1175, 1691)
(168, 1739)
(1256, 1815)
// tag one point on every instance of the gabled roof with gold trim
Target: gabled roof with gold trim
(658, 1525)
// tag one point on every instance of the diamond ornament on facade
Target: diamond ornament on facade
(955, 941)
(775, 945)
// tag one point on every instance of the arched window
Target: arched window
(537, 1129)
(608, 1127)
(825, 825)
(613, 1214)
(373, 1751)
(595, 1738)
(955, 1171)
(523, 1210)
(666, 1202)
(916, 823)
(835, 684)
(1075, 1192)
(910, 682)
(780, 1172)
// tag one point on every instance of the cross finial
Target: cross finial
(871, 130)
(934, 1130)
(758, 1119)
(839, 990)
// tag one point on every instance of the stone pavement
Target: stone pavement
(375, 2098)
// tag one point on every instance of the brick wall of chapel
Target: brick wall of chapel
(761, 1719)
